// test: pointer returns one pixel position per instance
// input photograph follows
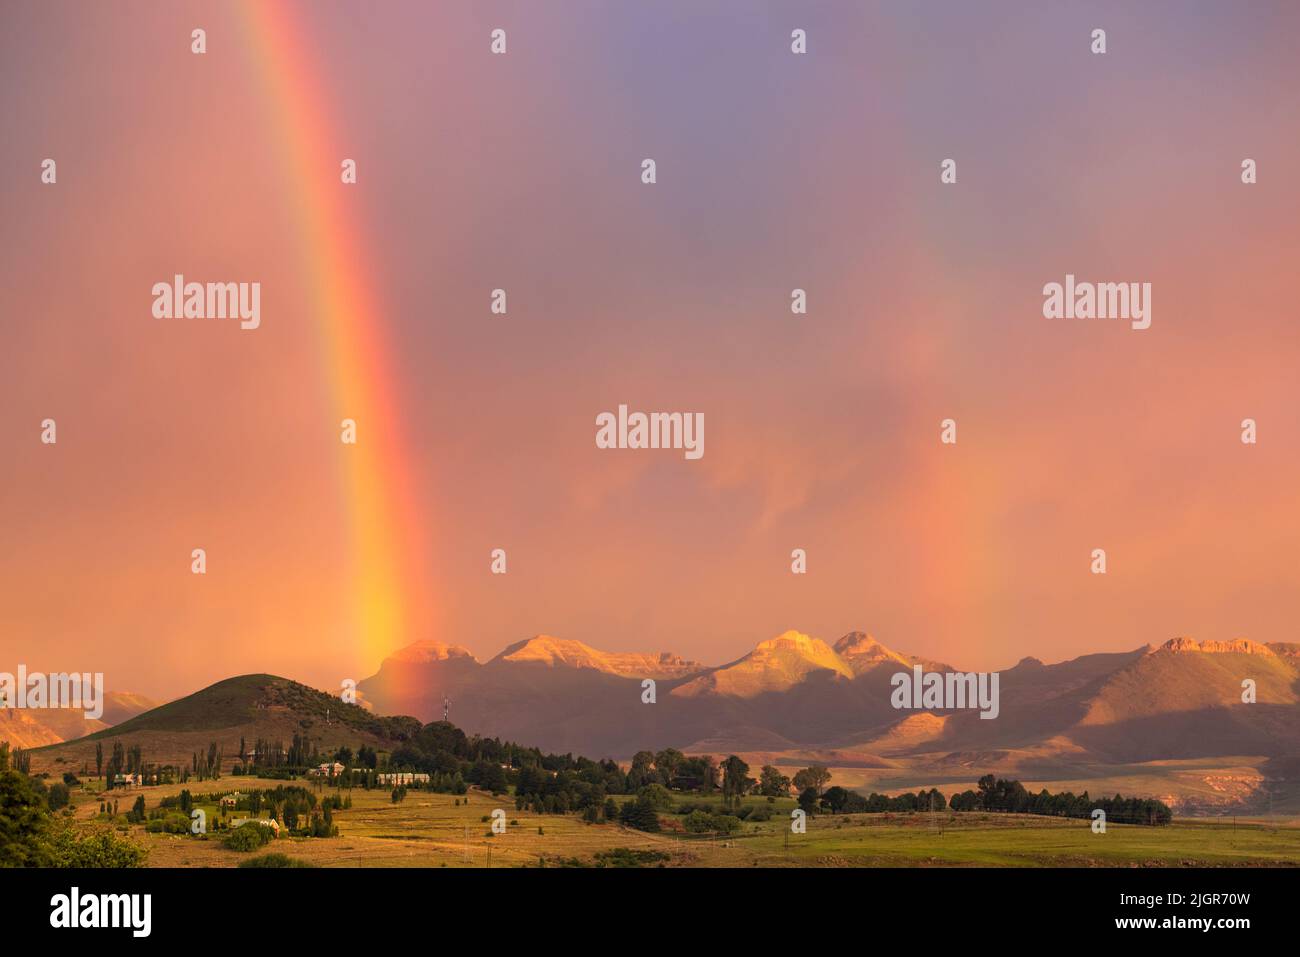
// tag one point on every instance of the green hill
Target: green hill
(249, 699)
(246, 707)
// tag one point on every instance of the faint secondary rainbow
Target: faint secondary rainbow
(351, 323)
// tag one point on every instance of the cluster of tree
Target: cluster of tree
(580, 784)
(128, 763)
(558, 784)
(302, 752)
(319, 824)
(838, 800)
(184, 801)
(545, 783)
(19, 758)
(296, 808)
(771, 783)
(442, 747)
(365, 758)
(32, 836)
(207, 767)
(586, 786)
(672, 769)
(266, 759)
(137, 814)
(704, 775)
(996, 794)
(641, 814)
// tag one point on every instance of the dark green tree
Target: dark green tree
(815, 777)
(735, 781)
(23, 821)
(668, 762)
(58, 797)
(772, 783)
(808, 801)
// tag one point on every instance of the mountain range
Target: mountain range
(34, 728)
(1180, 699)
(1167, 720)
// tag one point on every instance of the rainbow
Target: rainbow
(376, 474)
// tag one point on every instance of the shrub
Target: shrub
(702, 822)
(169, 824)
(58, 796)
(639, 814)
(97, 850)
(657, 796)
(249, 836)
(627, 857)
(698, 822)
(136, 815)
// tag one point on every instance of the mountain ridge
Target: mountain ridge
(560, 652)
(797, 689)
(1177, 708)
(34, 728)
(1180, 699)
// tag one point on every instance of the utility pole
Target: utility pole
(446, 707)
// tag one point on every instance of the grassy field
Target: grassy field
(431, 830)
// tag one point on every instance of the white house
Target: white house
(270, 822)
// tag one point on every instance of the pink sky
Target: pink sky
(774, 172)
